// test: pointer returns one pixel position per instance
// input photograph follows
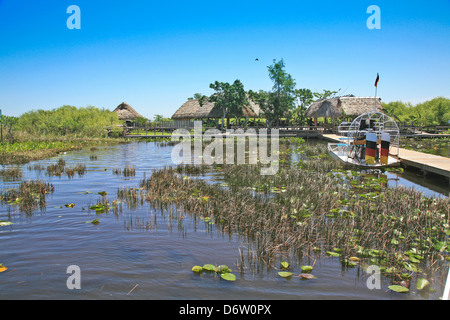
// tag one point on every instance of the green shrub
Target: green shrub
(67, 120)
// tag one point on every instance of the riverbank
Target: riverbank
(26, 151)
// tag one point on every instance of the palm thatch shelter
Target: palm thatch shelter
(349, 106)
(192, 110)
(126, 112)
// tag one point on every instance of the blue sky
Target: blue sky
(155, 54)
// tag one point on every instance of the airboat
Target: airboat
(370, 141)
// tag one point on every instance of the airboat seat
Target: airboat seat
(371, 147)
(385, 144)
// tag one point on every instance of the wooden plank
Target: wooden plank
(426, 162)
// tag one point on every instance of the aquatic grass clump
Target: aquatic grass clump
(79, 169)
(128, 171)
(343, 214)
(274, 225)
(134, 197)
(28, 196)
(104, 205)
(11, 174)
(57, 169)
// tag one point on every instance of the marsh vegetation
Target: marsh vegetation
(311, 212)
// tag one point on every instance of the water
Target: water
(142, 254)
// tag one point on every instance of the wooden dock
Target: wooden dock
(419, 160)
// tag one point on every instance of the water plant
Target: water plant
(222, 270)
(10, 174)
(128, 171)
(28, 196)
(347, 215)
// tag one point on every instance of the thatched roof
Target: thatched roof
(192, 110)
(336, 107)
(187, 110)
(126, 112)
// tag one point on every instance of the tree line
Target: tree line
(283, 101)
(432, 112)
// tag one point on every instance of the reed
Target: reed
(304, 213)
(128, 171)
(57, 169)
(11, 174)
(28, 196)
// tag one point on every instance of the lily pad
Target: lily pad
(399, 289)
(307, 269)
(223, 269)
(209, 267)
(197, 268)
(284, 264)
(98, 208)
(422, 283)
(228, 276)
(285, 274)
(5, 223)
(411, 267)
(103, 193)
(333, 254)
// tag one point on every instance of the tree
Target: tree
(431, 112)
(196, 96)
(141, 121)
(282, 97)
(230, 98)
(263, 99)
(305, 97)
(440, 108)
(326, 94)
(280, 101)
(7, 123)
(160, 117)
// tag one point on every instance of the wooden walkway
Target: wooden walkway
(422, 161)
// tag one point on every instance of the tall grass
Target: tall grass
(44, 133)
(67, 120)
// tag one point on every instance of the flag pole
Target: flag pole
(376, 88)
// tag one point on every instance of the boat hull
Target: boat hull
(342, 152)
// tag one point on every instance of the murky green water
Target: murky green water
(141, 253)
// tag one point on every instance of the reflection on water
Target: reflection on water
(141, 248)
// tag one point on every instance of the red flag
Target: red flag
(378, 79)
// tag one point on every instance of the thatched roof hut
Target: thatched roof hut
(187, 110)
(191, 109)
(339, 106)
(126, 112)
